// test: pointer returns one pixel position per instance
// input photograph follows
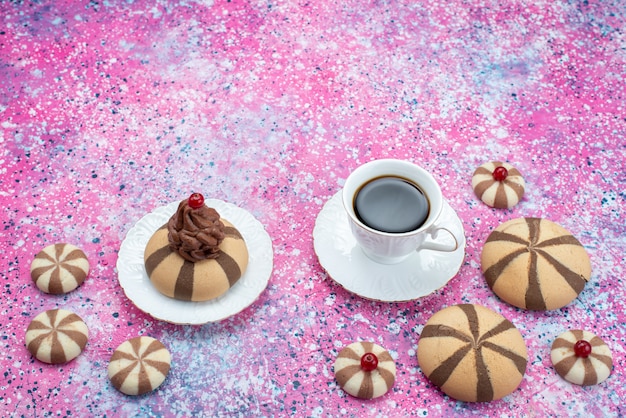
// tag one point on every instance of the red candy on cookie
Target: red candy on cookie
(581, 358)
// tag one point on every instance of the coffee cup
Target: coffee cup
(394, 209)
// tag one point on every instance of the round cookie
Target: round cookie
(203, 280)
(472, 353)
(56, 336)
(535, 264)
(59, 268)
(498, 184)
(365, 370)
(139, 365)
(581, 358)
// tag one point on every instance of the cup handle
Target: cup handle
(439, 246)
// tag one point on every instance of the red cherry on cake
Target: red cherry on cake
(582, 348)
(195, 201)
(369, 362)
(500, 173)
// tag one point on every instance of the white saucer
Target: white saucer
(137, 287)
(419, 275)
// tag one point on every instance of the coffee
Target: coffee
(391, 204)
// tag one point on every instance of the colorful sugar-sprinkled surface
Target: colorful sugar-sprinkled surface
(111, 109)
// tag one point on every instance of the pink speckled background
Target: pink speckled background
(112, 108)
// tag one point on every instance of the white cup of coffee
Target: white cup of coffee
(394, 209)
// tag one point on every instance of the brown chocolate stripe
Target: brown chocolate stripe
(143, 384)
(472, 320)
(481, 187)
(37, 272)
(534, 298)
(54, 286)
(384, 356)
(154, 346)
(493, 273)
(505, 236)
(118, 378)
(232, 232)
(368, 346)
(68, 319)
(562, 240)
(573, 279)
(57, 353)
(431, 331)
(484, 387)
(503, 326)
(183, 289)
(348, 352)
(46, 256)
(58, 250)
(591, 376)
(483, 170)
(76, 272)
(345, 374)
(161, 366)
(516, 187)
(156, 258)
(514, 172)
(75, 254)
(500, 200)
(387, 376)
(519, 361)
(77, 336)
(366, 390)
(230, 267)
(119, 355)
(441, 374)
(607, 360)
(533, 230)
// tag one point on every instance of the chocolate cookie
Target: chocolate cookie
(365, 370)
(56, 336)
(59, 268)
(535, 264)
(472, 353)
(139, 365)
(581, 358)
(498, 184)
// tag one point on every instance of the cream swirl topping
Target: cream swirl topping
(195, 233)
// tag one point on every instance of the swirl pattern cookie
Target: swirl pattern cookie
(498, 184)
(56, 336)
(365, 370)
(535, 264)
(139, 365)
(581, 358)
(203, 280)
(472, 353)
(59, 268)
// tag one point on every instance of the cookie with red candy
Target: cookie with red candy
(365, 370)
(581, 357)
(498, 184)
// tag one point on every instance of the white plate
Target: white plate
(136, 284)
(419, 275)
